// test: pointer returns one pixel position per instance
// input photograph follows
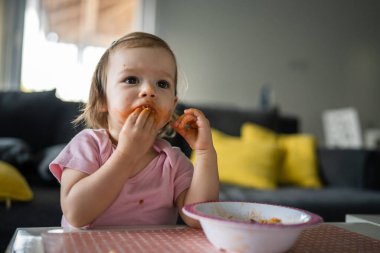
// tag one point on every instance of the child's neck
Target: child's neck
(145, 159)
(113, 140)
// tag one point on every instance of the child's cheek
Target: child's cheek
(163, 118)
(121, 115)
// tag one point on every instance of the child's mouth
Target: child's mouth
(148, 108)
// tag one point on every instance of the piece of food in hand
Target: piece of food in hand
(176, 117)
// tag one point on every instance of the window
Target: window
(63, 41)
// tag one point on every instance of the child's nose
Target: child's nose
(148, 90)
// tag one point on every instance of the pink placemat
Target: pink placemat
(329, 238)
(181, 240)
(323, 238)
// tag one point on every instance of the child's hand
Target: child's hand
(138, 133)
(195, 128)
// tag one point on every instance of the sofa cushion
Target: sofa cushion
(343, 167)
(299, 163)
(29, 116)
(249, 164)
(14, 151)
(299, 166)
(13, 185)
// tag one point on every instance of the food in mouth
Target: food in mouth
(147, 107)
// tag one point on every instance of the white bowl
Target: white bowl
(228, 225)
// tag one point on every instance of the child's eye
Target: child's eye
(163, 84)
(131, 80)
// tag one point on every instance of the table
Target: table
(366, 218)
(346, 237)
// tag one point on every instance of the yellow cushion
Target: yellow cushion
(248, 164)
(252, 133)
(300, 163)
(13, 185)
(298, 152)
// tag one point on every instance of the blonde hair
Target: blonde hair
(93, 114)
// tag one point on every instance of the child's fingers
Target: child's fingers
(193, 111)
(132, 118)
(197, 113)
(201, 119)
(191, 119)
(143, 116)
(150, 122)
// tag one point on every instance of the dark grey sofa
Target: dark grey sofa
(36, 126)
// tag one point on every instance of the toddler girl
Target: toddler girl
(119, 171)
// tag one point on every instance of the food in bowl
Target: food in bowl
(273, 220)
(251, 227)
(267, 221)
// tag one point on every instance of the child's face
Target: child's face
(138, 77)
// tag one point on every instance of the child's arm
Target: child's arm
(196, 130)
(84, 197)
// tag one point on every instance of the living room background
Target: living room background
(316, 55)
(313, 55)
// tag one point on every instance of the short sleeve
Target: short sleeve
(82, 153)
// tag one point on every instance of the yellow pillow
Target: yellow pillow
(243, 163)
(255, 133)
(298, 154)
(300, 163)
(13, 185)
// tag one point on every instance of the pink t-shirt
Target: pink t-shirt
(147, 198)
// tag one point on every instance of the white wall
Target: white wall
(2, 42)
(316, 54)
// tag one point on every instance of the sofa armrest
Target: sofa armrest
(354, 168)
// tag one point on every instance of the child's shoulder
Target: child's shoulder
(95, 140)
(97, 135)
(93, 132)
